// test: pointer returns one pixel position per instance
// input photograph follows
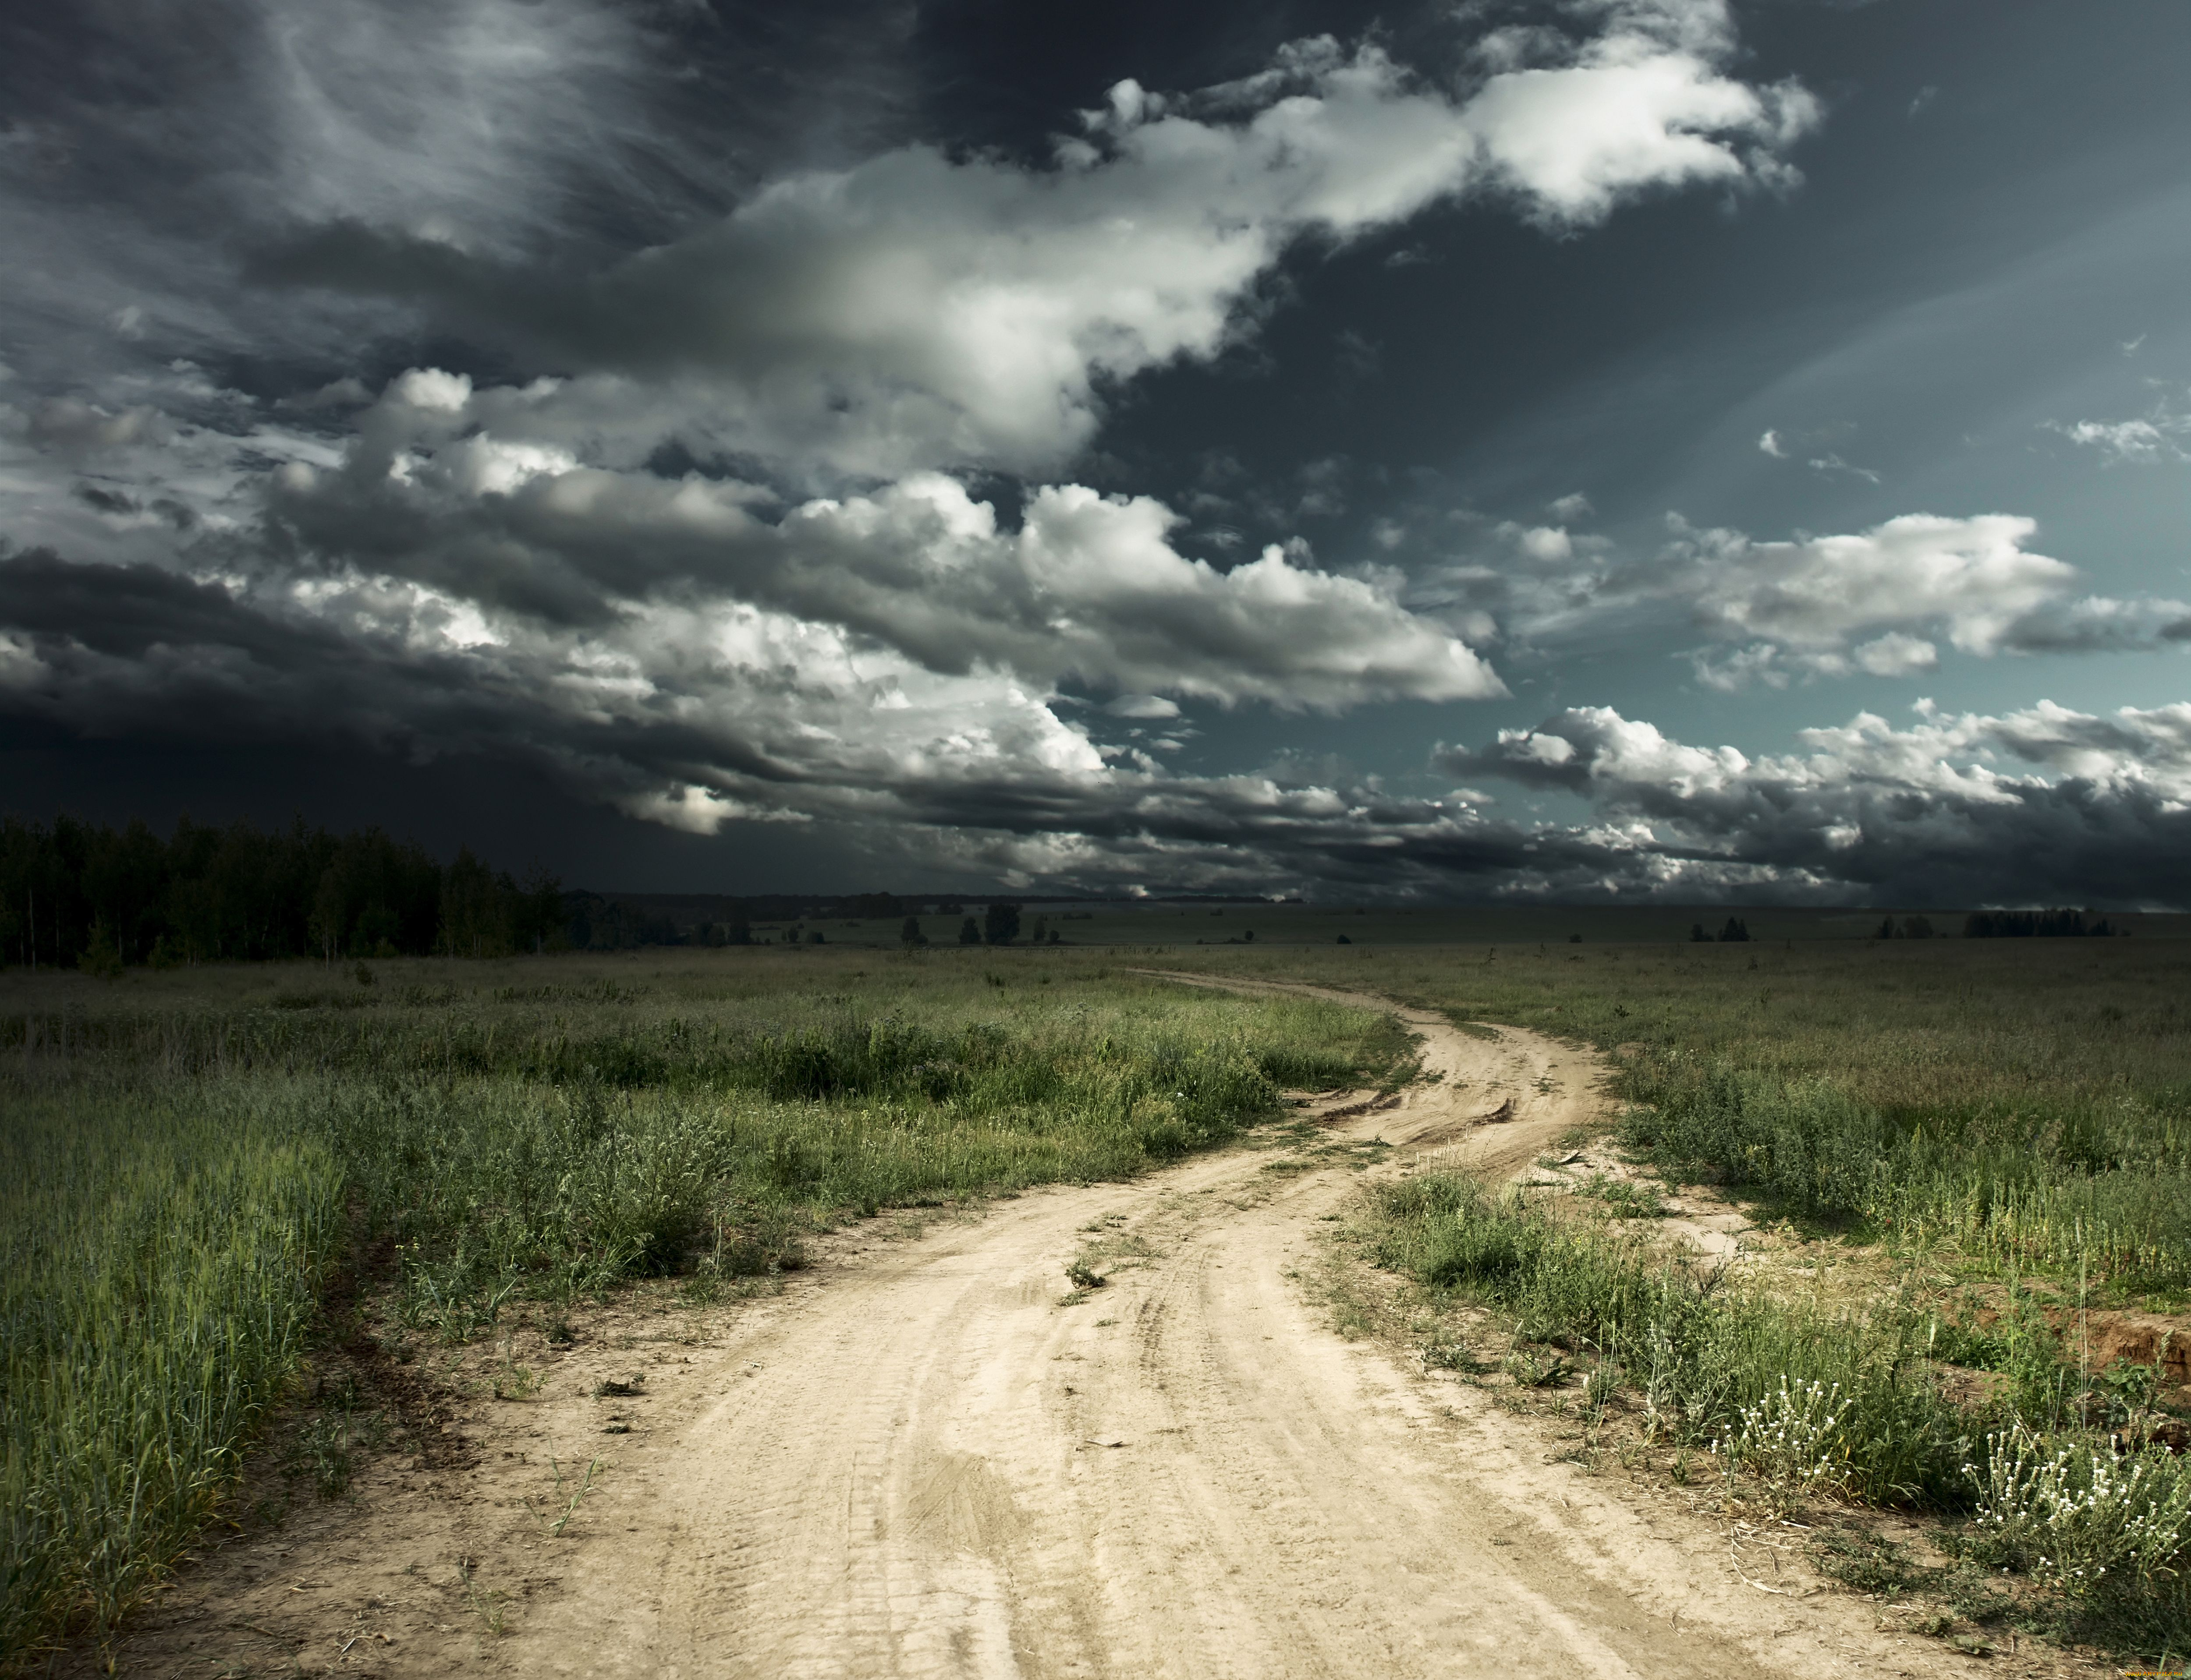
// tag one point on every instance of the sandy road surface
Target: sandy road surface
(932, 1467)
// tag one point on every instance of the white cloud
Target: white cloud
(1972, 576)
(431, 390)
(920, 309)
(1146, 705)
(1761, 662)
(1595, 749)
(1769, 442)
(1088, 588)
(2141, 443)
(1545, 542)
(1896, 655)
(1643, 105)
(1830, 463)
(1880, 600)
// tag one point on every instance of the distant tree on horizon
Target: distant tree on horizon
(2025, 924)
(77, 890)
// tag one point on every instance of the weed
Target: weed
(1443, 1353)
(2083, 1517)
(1537, 1368)
(563, 1505)
(1793, 1439)
(491, 1607)
(1865, 1561)
(1623, 1198)
(511, 1380)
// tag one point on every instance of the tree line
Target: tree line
(2027, 924)
(78, 894)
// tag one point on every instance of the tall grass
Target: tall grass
(186, 1159)
(158, 1266)
(1701, 1356)
(2022, 1105)
(1847, 1403)
(2105, 1191)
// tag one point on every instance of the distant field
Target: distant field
(1292, 924)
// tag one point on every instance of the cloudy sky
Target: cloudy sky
(1692, 449)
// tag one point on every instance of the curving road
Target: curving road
(932, 1467)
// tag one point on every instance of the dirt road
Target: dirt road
(932, 1467)
(929, 1455)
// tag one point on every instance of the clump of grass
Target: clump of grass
(1712, 1363)
(1623, 1198)
(2029, 1190)
(329, 1447)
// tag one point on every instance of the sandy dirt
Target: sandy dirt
(930, 1455)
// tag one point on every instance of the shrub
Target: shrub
(1794, 1438)
(2079, 1515)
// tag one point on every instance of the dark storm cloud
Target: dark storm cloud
(148, 150)
(132, 651)
(740, 418)
(135, 650)
(1914, 815)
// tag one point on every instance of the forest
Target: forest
(78, 894)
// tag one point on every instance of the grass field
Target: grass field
(2003, 1107)
(1974, 1159)
(1971, 1145)
(190, 1159)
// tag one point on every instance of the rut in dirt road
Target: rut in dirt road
(932, 1466)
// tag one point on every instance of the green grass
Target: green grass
(190, 1158)
(1986, 1141)
(1970, 1124)
(2002, 1107)
(1806, 1402)
(1699, 1356)
(159, 1262)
